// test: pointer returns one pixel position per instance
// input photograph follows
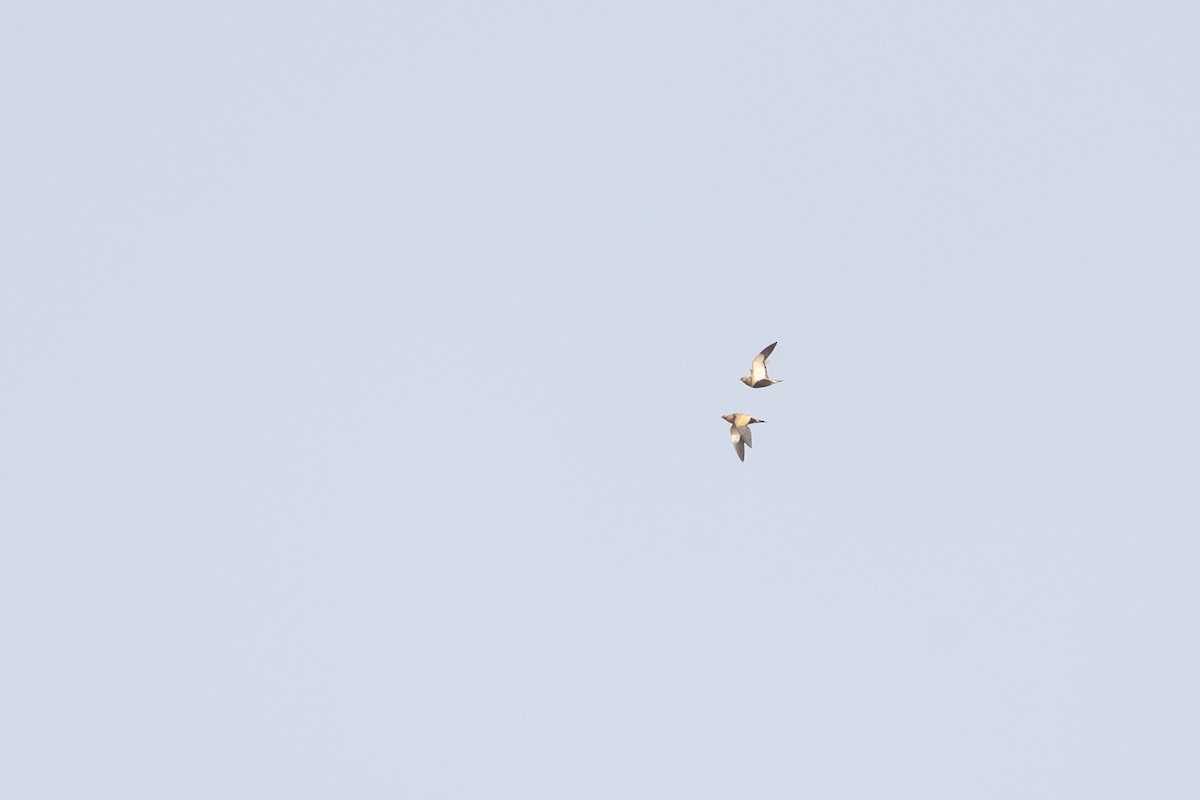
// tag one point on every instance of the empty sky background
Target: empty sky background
(364, 363)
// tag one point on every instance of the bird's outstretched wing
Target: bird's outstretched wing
(758, 367)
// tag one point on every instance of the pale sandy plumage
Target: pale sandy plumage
(758, 377)
(739, 432)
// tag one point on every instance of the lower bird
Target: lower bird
(739, 432)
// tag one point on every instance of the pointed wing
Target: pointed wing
(735, 435)
(746, 437)
(758, 367)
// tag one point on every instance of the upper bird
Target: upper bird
(739, 432)
(758, 369)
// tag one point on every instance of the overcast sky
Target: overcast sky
(364, 365)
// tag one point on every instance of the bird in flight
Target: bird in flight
(758, 369)
(739, 432)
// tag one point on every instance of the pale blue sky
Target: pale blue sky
(365, 365)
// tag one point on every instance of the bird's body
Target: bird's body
(758, 377)
(739, 432)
